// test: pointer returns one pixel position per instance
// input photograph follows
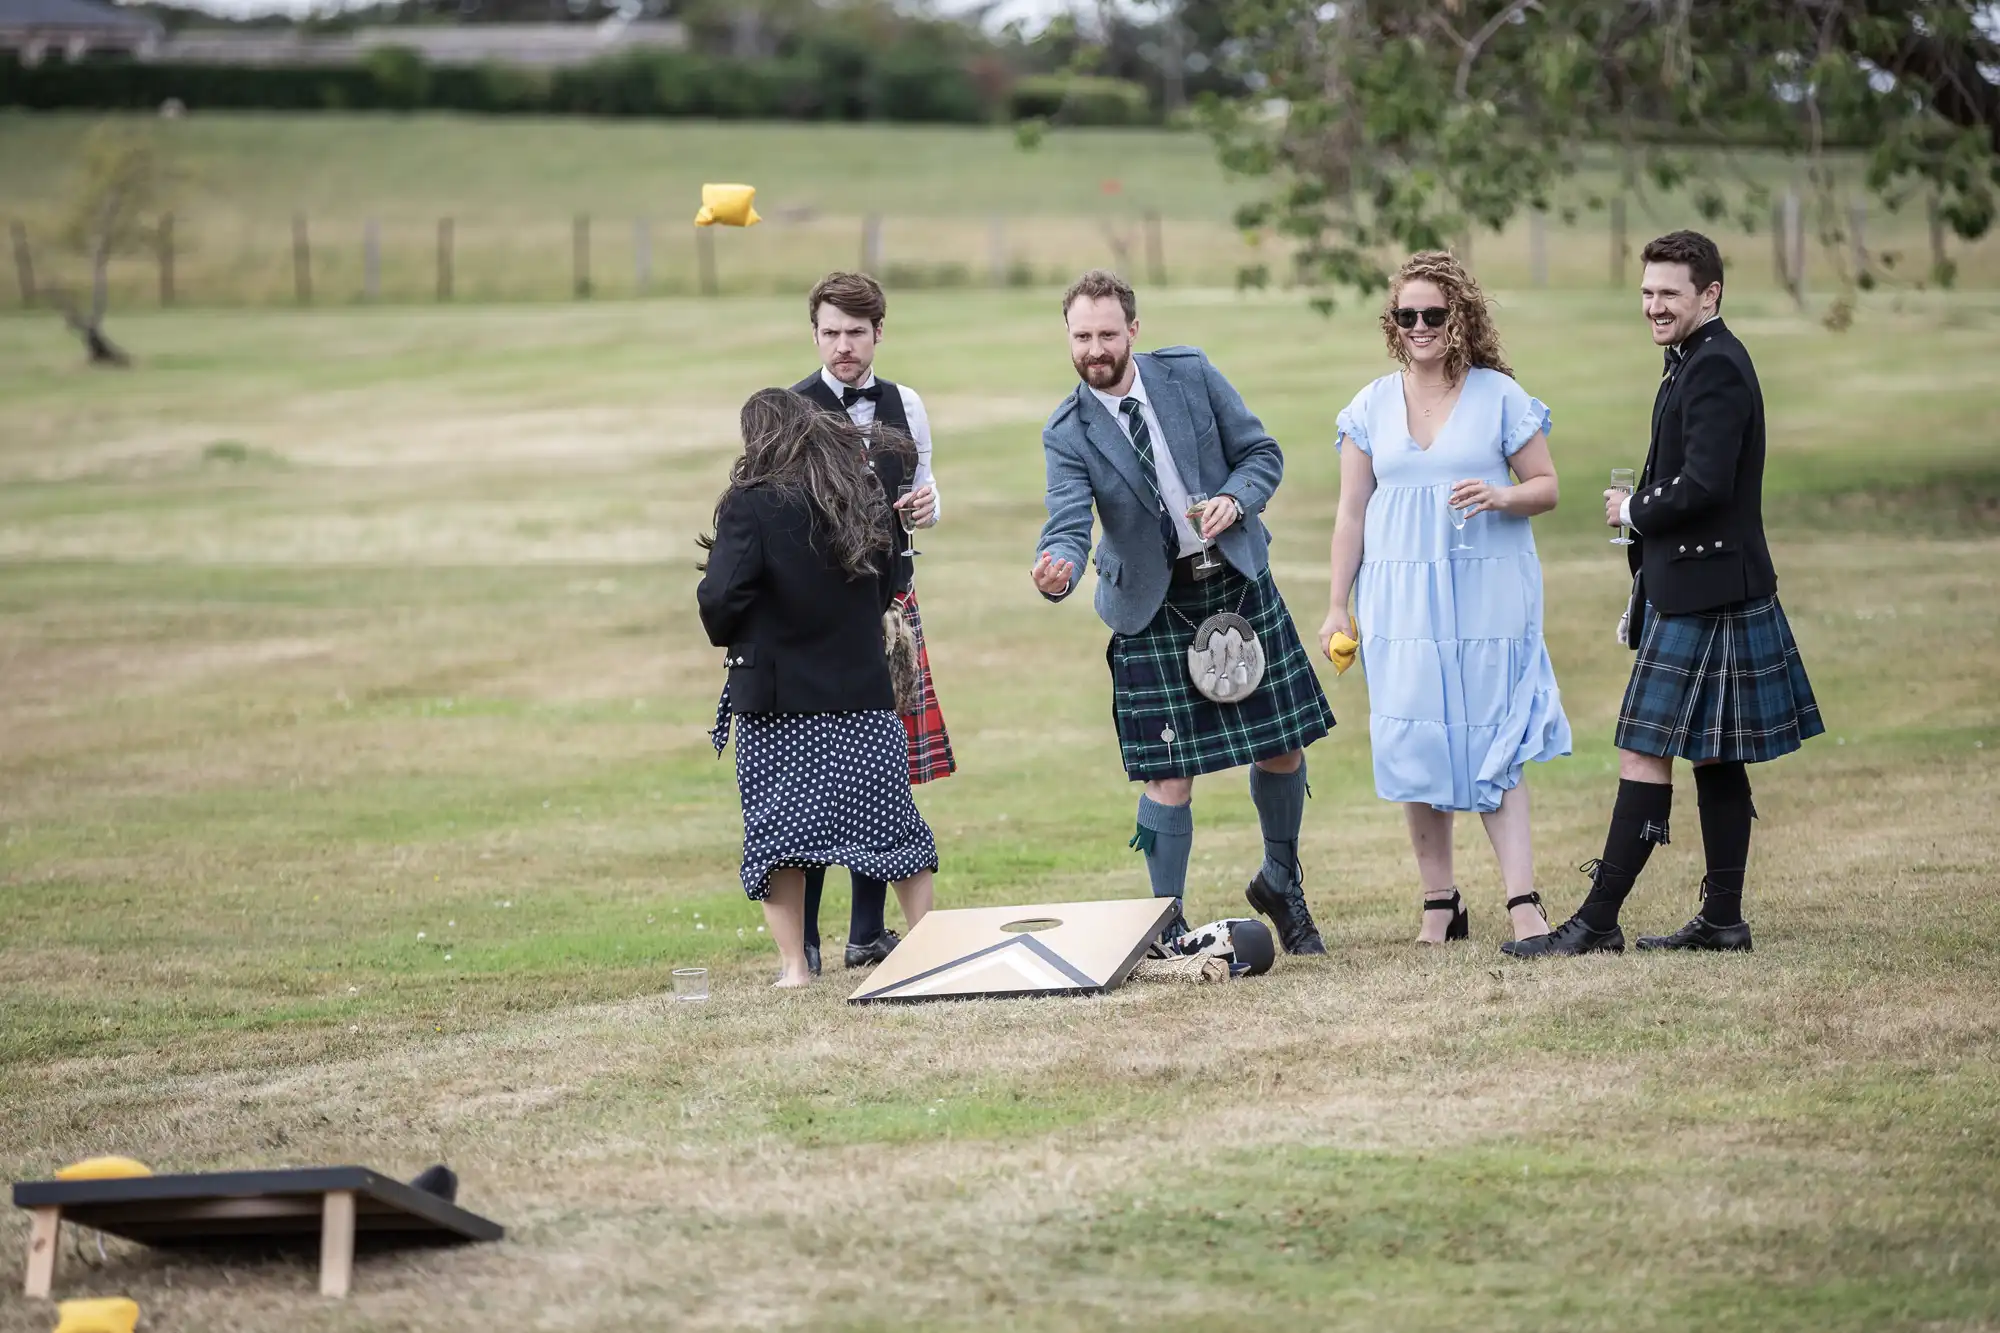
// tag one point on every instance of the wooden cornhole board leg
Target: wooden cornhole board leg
(336, 1243)
(43, 1246)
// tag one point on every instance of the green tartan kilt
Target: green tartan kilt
(1166, 729)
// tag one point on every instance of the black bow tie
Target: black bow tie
(850, 395)
(1675, 355)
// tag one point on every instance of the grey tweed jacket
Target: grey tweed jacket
(1218, 447)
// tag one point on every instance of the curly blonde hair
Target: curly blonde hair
(1469, 336)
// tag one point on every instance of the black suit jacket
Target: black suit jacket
(1698, 512)
(803, 636)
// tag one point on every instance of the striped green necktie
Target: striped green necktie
(1142, 445)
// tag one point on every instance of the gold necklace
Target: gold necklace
(1439, 400)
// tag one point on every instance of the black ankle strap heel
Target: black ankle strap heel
(1461, 923)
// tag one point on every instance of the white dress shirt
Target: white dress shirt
(862, 413)
(1625, 506)
(1172, 490)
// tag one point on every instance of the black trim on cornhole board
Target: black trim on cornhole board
(1084, 986)
(235, 1205)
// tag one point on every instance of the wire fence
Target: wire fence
(225, 259)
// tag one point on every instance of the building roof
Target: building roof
(72, 16)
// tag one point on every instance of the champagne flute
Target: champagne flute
(1207, 561)
(1623, 479)
(1459, 518)
(908, 521)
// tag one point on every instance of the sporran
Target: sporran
(1225, 660)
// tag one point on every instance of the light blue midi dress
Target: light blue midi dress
(1461, 690)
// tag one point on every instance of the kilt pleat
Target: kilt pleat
(1725, 685)
(930, 743)
(1167, 729)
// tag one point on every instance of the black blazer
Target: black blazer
(803, 637)
(1698, 512)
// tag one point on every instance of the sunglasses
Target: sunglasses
(1433, 316)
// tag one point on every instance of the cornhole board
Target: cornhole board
(1006, 952)
(254, 1209)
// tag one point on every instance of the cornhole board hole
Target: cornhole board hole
(248, 1210)
(1005, 952)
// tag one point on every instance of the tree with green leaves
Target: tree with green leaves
(115, 207)
(1385, 126)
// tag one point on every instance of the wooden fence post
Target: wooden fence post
(302, 282)
(1156, 250)
(24, 263)
(871, 244)
(580, 256)
(642, 256)
(444, 259)
(1795, 243)
(371, 260)
(704, 251)
(1619, 251)
(1538, 248)
(166, 258)
(1857, 237)
(1941, 272)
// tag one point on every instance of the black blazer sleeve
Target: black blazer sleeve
(1717, 404)
(735, 566)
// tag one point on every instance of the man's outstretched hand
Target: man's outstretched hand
(1052, 576)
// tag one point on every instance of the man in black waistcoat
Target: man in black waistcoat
(847, 310)
(1718, 680)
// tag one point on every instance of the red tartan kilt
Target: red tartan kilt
(930, 743)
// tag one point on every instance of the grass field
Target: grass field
(355, 804)
(514, 187)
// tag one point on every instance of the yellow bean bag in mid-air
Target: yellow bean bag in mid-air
(104, 1168)
(729, 205)
(113, 1315)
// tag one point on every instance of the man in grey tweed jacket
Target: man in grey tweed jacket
(1173, 462)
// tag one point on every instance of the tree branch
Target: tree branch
(1478, 41)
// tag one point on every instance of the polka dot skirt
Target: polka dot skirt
(828, 789)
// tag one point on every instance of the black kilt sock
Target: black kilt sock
(1638, 821)
(815, 881)
(1723, 791)
(864, 921)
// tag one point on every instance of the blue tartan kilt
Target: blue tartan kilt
(1723, 685)
(1166, 729)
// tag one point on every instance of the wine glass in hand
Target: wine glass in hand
(1623, 479)
(905, 513)
(1195, 512)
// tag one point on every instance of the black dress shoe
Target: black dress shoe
(874, 951)
(1699, 935)
(1288, 912)
(812, 959)
(1571, 938)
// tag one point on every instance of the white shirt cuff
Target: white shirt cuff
(1625, 512)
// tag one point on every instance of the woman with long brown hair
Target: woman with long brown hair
(800, 568)
(1461, 691)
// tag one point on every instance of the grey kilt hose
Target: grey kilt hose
(1725, 685)
(1167, 729)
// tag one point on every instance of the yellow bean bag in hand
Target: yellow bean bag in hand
(104, 1168)
(729, 205)
(113, 1315)
(1342, 650)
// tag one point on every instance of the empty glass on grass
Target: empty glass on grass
(1623, 479)
(691, 983)
(1207, 560)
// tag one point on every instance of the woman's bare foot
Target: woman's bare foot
(1437, 918)
(1528, 921)
(790, 980)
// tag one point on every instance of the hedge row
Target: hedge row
(827, 83)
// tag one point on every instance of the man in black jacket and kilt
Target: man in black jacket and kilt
(1718, 680)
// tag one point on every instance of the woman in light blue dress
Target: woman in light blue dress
(1460, 687)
